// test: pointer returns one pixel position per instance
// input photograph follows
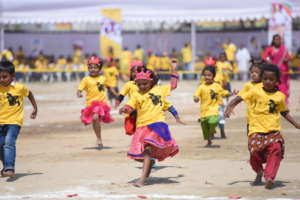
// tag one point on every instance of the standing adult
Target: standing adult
(278, 54)
(186, 53)
(254, 48)
(243, 59)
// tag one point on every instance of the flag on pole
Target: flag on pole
(111, 33)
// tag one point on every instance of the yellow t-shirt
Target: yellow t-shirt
(186, 54)
(150, 105)
(210, 97)
(111, 75)
(165, 63)
(139, 54)
(62, 61)
(151, 63)
(125, 61)
(12, 103)
(94, 88)
(167, 105)
(226, 69)
(129, 88)
(265, 110)
(247, 87)
(230, 51)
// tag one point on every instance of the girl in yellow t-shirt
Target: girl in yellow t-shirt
(152, 138)
(129, 89)
(96, 109)
(255, 75)
(265, 143)
(210, 96)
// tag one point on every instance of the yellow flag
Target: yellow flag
(111, 33)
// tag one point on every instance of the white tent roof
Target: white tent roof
(70, 11)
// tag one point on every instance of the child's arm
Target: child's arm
(174, 75)
(290, 119)
(34, 105)
(79, 93)
(113, 91)
(174, 112)
(234, 102)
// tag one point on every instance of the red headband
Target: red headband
(136, 63)
(94, 60)
(209, 61)
(143, 75)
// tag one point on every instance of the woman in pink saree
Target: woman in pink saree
(277, 54)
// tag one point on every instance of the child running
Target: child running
(96, 110)
(265, 143)
(210, 96)
(152, 138)
(255, 75)
(11, 115)
(130, 88)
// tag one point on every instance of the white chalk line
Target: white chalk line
(83, 192)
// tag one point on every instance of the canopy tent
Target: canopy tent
(74, 11)
(88, 11)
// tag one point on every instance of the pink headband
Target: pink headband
(94, 60)
(136, 63)
(143, 75)
(209, 61)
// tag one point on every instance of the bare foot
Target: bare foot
(139, 183)
(209, 144)
(99, 145)
(257, 180)
(269, 184)
(223, 136)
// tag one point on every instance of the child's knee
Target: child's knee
(95, 117)
(147, 150)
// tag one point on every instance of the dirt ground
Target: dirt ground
(57, 158)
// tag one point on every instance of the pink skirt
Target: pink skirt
(96, 107)
(160, 149)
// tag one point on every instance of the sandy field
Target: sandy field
(57, 157)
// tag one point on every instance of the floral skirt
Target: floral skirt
(260, 141)
(96, 107)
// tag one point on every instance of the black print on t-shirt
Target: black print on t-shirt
(213, 94)
(155, 99)
(272, 106)
(13, 100)
(100, 87)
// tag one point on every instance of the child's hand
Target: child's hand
(298, 126)
(178, 120)
(33, 114)
(125, 109)
(228, 112)
(79, 94)
(196, 99)
(122, 110)
(235, 92)
(117, 103)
